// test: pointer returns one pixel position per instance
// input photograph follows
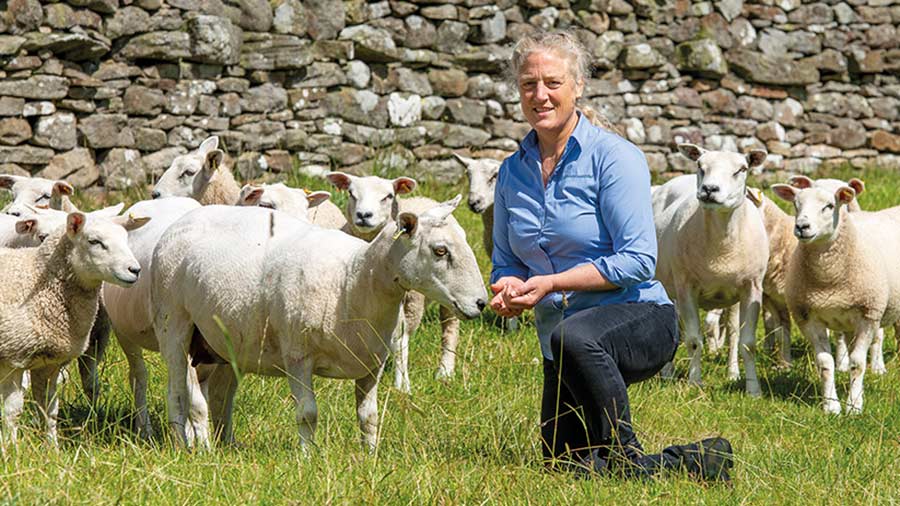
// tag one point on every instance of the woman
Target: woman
(574, 240)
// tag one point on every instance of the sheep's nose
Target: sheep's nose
(474, 204)
(361, 215)
(155, 194)
(799, 228)
(709, 188)
(15, 213)
(481, 303)
(135, 270)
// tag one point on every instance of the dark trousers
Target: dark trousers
(597, 353)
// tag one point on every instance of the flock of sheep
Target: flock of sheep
(279, 281)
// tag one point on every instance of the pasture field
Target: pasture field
(475, 439)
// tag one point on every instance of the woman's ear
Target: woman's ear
(579, 88)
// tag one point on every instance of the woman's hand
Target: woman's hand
(529, 293)
(501, 296)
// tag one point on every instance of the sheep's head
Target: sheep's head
(372, 200)
(293, 201)
(31, 191)
(189, 174)
(722, 175)
(482, 181)
(36, 225)
(100, 249)
(818, 211)
(436, 260)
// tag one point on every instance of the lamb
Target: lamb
(482, 181)
(713, 249)
(50, 326)
(28, 191)
(299, 300)
(301, 204)
(201, 176)
(840, 280)
(129, 309)
(371, 205)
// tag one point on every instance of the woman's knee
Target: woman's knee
(564, 342)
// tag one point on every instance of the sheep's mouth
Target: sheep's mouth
(126, 281)
(364, 225)
(804, 237)
(468, 315)
(477, 208)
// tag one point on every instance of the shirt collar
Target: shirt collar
(529, 145)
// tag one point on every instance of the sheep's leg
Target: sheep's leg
(714, 337)
(784, 332)
(12, 396)
(751, 303)
(137, 378)
(300, 378)
(413, 310)
(174, 332)
(877, 353)
(865, 330)
(44, 390)
(842, 355)
(199, 411)
(90, 359)
(733, 331)
(367, 408)
(449, 342)
(221, 387)
(690, 318)
(512, 324)
(818, 337)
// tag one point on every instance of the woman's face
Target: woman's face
(547, 90)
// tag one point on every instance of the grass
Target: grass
(473, 440)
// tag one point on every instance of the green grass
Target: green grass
(474, 440)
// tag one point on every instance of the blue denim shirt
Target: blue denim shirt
(595, 209)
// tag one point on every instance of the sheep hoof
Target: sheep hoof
(832, 407)
(879, 369)
(753, 390)
(443, 375)
(734, 375)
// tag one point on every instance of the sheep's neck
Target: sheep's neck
(720, 228)
(60, 287)
(222, 189)
(376, 276)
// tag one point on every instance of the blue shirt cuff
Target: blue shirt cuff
(508, 271)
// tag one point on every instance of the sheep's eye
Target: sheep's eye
(387, 197)
(96, 242)
(440, 251)
(43, 197)
(15, 213)
(492, 178)
(267, 205)
(41, 237)
(828, 207)
(351, 194)
(742, 169)
(188, 173)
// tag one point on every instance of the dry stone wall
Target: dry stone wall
(107, 92)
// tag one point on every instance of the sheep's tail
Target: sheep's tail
(599, 119)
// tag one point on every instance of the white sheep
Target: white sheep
(312, 206)
(49, 303)
(298, 300)
(482, 175)
(129, 309)
(372, 203)
(200, 175)
(34, 191)
(839, 279)
(713, 249)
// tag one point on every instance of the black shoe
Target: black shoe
(709, 460)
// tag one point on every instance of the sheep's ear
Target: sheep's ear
(444, 209)
(845, 194)
(130, 222)
(26, 226)
(691, 151)
(316, 198)
(108, 212)
(464, 159)
(340, 180)
(756, 158)
(75, 223)
(407, 223)
(755, 195)
(857, 185)
(212, 160)
(250, 195)
(800, 182)
(404, 185)
(8, 180)
(63, 188)
(208, 145)
(785, 191)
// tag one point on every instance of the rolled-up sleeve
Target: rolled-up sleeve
(625, 209)
(504, 261)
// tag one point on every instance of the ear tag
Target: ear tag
(307, 191)
(398, 234)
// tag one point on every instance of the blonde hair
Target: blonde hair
(566, 45)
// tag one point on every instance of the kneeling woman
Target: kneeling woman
(574, 239)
